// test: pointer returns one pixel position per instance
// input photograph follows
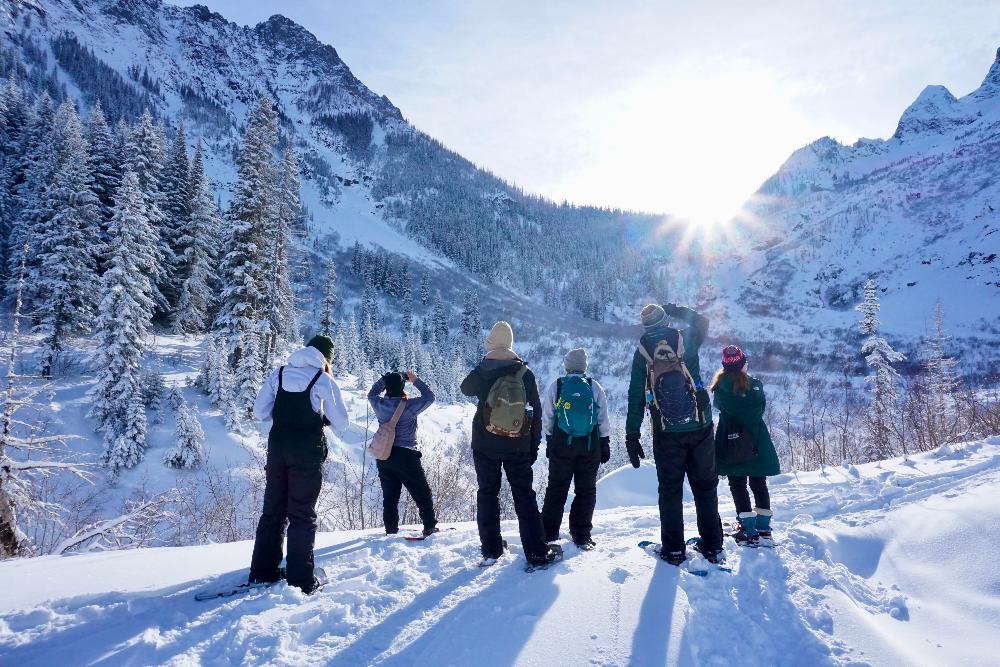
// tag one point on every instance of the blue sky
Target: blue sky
(682, 107)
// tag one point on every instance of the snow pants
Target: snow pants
(693, 453)
(403, 469)
(293, 480)
(741, 498)
(571, 463)
(529, 521)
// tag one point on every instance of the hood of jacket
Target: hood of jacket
(308, 357)
(492, 369)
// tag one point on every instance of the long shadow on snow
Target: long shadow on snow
(750, 618)
(490, 626)
(651, 640)
(111, 626)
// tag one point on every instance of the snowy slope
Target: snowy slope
(883, 564)
(916, 211)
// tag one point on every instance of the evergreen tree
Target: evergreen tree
(196, 253)
(407, 316)
(122, 328)
(14, 120)
(36, 168)
(105, 164)
(244, 268)
(879, 356)
(287, 211)
(943, 382)
(471, 319)
(176, 188)
(67, 253)
(425, 291)
(189, 452)
(145, 157)
(440, 322)
(329, 299)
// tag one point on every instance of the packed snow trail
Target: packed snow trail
(881, 564)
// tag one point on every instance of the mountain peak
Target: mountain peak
(991, 84)
(935, 111)
(296, 40)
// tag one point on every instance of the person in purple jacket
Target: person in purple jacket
(403, 467)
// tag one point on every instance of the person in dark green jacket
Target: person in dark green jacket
(744, 450)
(681, 414)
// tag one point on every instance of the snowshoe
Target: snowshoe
(714, 556)
(417, 537)
(765, 539)
(742, 538)
(586, 545)
(677, 558)
(553, 555)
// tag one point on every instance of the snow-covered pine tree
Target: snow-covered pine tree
(440, 322)
(326, 323)
(355, 361)
(244, 268)
(472, 324)
(15, 117)
(176, 193)
(105, 164)
(879, 356)
(66, 249)
(282, 313)
(942, 383)
(189, 452)
(196, 253)
(123, 322)
(406, 319)
(37, 165)
(425, 291)
(145, 156)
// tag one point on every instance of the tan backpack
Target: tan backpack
(381, 444)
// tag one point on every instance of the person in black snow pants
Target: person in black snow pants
(402, 468)
(299, 398)
(506, 433)
(666, 381)
(577, 441)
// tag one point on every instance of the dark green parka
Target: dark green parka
(748, 409)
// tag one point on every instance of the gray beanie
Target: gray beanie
(652, 316)
(575, 361)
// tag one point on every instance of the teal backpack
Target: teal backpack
(576, 413)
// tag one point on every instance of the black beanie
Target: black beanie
(324, 344)
(394, 384)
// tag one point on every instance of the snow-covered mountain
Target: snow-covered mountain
(916, 211)
(880, 564)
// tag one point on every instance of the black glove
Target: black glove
(534, 453)
(704, 403)
(548, 445)
(634, 449)
(605, 449)
(670, 309)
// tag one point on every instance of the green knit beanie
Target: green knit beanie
(324, 344)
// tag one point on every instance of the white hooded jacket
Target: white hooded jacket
(299, 372)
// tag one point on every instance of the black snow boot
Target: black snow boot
(674, 557)
(585, 545)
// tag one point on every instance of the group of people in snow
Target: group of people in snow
(301, 397)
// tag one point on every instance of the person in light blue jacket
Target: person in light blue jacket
(403, 467)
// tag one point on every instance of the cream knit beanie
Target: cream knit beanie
(501, 337)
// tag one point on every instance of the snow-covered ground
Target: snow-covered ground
(883, 564)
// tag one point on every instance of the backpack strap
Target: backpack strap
(313, 381)
(280, 373)
(644, 353)
(396, 414)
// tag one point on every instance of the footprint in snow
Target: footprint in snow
(619, 575)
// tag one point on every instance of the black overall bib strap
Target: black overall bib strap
(313, 382)
(280, 373)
